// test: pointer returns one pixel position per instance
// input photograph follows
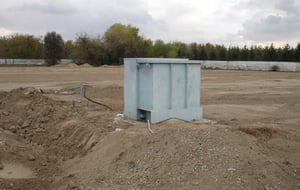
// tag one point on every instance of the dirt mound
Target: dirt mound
(69, 65)
(179, 155)
(47, 132)
(86, 65)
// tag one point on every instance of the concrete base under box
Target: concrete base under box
(185, 114)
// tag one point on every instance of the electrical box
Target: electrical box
(158, 89)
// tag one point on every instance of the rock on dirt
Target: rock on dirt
(26, 124)
(72, 185)
(29, 91)
(4, 113)
(30, 157)
(13, 128)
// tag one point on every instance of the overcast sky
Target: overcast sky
(228, 22)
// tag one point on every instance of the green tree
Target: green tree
(258, 53)
(244, 54)
(233, 53)
(212, 54)
(221, 52)
(210, 51)
(89, 50)
(172, 51)
(272, 53)
(202, 52)
(121, 41)
(21, 47)
(3, 48)
(297, 52)
(68, 49)
(279, 52)
(287, 53)
(53, 48)
(193, 51)
(251, 54)
(181, 48)
(160, 49)
(143, 47)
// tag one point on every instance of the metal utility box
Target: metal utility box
(160, 89)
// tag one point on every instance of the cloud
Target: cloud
(270, 20)
(216, 21)
(271, 27)
(192, 21)
(72, 17)
(44, 8)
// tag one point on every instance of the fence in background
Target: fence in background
(226, 65)
(30, 61)
(252, 65)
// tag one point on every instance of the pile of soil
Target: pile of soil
(40, 133)
(48, 143)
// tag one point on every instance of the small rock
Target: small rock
(30, 157)
(52, 159)
(230, 169)
(67, 93)
(20, 122)
(26, 124)
(44, 119)
(5, 113)
(266, 187)
(72, 185)
(29, 90)
(195, 183)
(56, 137)
(40, 130)
(71, 175)
(13, 129)
(1, 166)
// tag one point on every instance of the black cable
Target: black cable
(97, 103)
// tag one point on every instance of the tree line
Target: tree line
(121, 41)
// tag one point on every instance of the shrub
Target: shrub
(53, 47)
(275, 68)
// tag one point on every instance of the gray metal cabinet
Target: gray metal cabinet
(160, 89)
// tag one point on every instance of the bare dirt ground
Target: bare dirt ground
(249, 137)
